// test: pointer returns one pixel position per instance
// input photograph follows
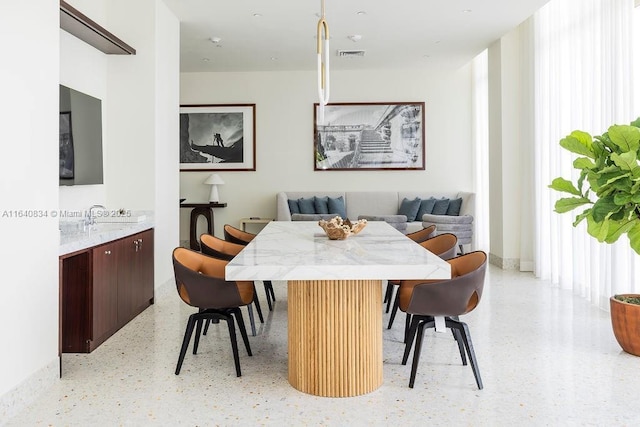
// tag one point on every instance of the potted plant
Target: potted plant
(608, 191)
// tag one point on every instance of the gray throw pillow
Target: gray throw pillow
(454, 207)
(321, 204)
(426, 207)
(293, 206)
(336, 206)
(307, 206)
(409, 208)
(440, 207)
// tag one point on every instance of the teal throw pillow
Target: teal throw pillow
(293, 206)
(440, 207)
(336, 206)
(426, 207)
(321, 204)
(454, 207)
(409, 208)
(307, 206)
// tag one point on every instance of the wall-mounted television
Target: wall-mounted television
(80, 138)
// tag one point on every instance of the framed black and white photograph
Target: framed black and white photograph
(370, 136)
(218, 137)
(66, 147)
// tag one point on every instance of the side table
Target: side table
(253, 220)
(198, 209)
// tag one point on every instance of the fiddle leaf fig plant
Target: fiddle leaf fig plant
(608, 187)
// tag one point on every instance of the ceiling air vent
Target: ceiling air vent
(350, 53)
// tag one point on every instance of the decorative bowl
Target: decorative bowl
(339, 229)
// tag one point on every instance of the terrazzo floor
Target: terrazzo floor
(546, 358)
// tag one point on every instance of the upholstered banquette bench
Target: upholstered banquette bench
(405, 210)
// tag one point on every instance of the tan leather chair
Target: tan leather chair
(443, 245)
(221, 249)
(422, 235)
(424, 300)
(418, 237)
(235, 235)
(200, 283)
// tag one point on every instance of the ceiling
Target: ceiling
(279, 35)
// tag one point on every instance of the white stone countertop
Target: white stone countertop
(300, 250)
(73, 238)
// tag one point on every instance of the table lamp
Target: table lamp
(214, 180)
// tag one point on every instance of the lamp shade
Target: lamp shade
(214, 179)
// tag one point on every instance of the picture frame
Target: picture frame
(66, 153)
(369, 136)
(218, 137)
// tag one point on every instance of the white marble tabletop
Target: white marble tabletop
(74, 238)
(300, 250)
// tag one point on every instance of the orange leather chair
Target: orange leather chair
(424, 300)
(200, 283)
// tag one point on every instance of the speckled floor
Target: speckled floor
(546, 358)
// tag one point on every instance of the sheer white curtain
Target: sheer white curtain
(583, 79)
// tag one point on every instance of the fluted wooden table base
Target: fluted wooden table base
(335, 336)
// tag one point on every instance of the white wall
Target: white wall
(140, 107)
(284, 134)
(167, 178)
(28, 183)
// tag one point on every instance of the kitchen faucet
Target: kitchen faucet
(90, 218)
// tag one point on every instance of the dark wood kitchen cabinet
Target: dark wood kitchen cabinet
(103, 288)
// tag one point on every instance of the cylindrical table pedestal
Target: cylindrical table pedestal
(335, 336)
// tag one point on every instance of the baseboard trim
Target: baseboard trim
(505, 264)
(27, 392)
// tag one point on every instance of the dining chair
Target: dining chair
(200, 283)
(240, 237)
(443, 245)
(418, 237)
(221, 249)
(425, 300)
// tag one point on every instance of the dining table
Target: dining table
(334, 297)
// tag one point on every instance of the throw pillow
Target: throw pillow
(454, 207)
(426, 207)
(307, 206)
(439, 208)
(321, 204)
(409, 208)
(293, 206)
(336, 206)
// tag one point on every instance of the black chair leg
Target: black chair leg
(409, 338)
(388, 293)
(407, 324)
(466, 337)
(196, 340)
(268, 290)
(457, 335)
(416, 354)
(234, 344)
(394, 311)
(243, 330)
(185, 342)
(256, 302)
(251, 320)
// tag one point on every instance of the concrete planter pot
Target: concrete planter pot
(625, 319)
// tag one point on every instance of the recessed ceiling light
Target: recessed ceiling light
(361, 13)
(355, 37)
(205, 59)
(273, 58)
(215, 40)
(467, 11)
(257, 15)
